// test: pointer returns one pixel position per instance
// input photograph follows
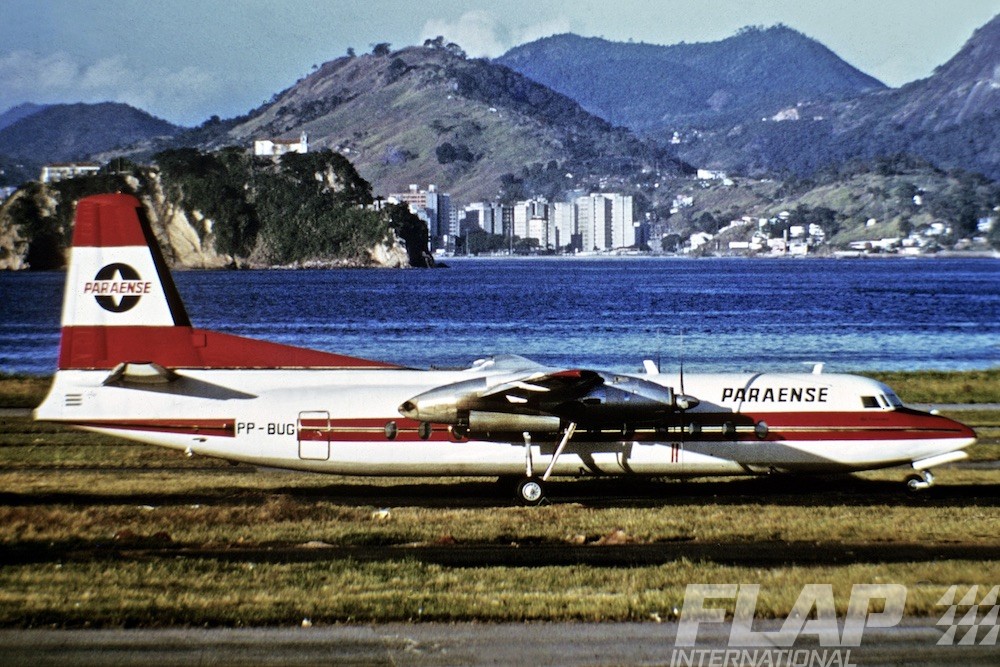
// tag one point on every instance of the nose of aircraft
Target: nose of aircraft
(962, 430)
(962, 435)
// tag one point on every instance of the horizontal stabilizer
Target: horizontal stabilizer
(140, 372)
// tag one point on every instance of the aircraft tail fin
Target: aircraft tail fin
(117, 275)
(121, 305)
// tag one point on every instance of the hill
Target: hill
(63, 132)
(859, 201)
(654, 88)
(952, 119)
(430, 115)
(21, 111)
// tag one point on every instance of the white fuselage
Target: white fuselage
(348, 422)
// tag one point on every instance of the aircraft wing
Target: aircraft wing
(588, 398)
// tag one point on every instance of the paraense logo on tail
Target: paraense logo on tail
(117, 287)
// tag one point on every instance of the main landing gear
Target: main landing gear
(922, 480)
(530, 490)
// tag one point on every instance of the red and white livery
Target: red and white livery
(132, 365)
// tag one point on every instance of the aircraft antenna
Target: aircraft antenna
(682, 362)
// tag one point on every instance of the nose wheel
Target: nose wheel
(922, 480)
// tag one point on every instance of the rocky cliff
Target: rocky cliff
(36, 230)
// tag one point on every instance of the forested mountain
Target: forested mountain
(952, 119)
(21, 111)
(61, 132)
(652, 88)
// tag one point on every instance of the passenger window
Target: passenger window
(869, 401)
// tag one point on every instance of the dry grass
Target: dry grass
(981, 386)
(22, 391)
(207, 592)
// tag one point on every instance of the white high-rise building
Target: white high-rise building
(531, 221)
(604, 221)
(486, 216)
(622, 221)
(563, 224)
(593, 218)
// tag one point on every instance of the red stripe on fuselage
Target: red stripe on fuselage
(782, 427)
(225, 428)
(371, 430)
(900, 424)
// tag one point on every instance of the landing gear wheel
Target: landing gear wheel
(529, 491)
(921, 481)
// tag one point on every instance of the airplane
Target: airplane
(132, 365)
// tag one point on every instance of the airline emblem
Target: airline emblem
(117, 287)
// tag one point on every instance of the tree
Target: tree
(967, 213)
(318, 168)
(479, 241)
(671, 242)
(382, 49)
(448, 152)
(397, 68)
(707, 222)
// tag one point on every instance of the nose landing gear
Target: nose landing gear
(922, 480)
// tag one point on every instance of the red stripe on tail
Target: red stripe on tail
(108, 221)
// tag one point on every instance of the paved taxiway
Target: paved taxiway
(912, 643)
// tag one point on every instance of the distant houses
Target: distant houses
(279, 147)
(53, 173)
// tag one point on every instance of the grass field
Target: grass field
(100, 532)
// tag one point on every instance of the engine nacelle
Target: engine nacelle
(443, 405)
(503, 422)
(624, 400)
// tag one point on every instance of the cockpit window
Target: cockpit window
(869, 401)
(893, 399)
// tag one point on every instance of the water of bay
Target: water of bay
(719, 314)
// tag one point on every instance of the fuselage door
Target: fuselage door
(314, 435)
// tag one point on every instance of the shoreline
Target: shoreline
(664, 256)
(583, 257)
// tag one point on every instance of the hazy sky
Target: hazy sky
(185, 60)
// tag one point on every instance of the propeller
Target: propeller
(683, 401)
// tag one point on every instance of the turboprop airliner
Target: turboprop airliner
(131, 364)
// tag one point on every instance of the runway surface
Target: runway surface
(912, 643)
